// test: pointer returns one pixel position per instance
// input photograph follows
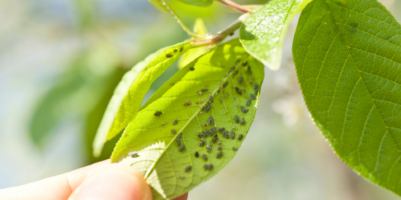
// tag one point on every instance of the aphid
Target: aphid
(210, 120)
(240, 80)
(222, 129)
(173, 131)
(188, 168)
(210, 166)
(207, 107)
(192, 68)
(204, 125)
(188, 103)
(242, 121)
(209, 132)
(240, 137)
(256, 87)
(182, 176)
(232, 69)
(179, 136)
(231, 34)
(225, 84)
(158, 113)
(175, 50)
(211, 99)
(245, 63)
(219, 154)
(178, 142)
(163, 124)
(206, 166)
(199, 92)
(182, 148)
(200, 135)
(226, 135)
(204, 157)
(174, 122)
(181, 49)
(248, 102)
(244, 110)
(236, 119)
(213, 129)
(204, 90)
(208, 148)
(201, 144)
(217, 93)
(232, 135)
(239, 91)
(133, 154)
(219, 148)
(219, 143)
(196, 154)
(235, 148)
(253, 97)
(169, 55)
(235, 73)
(214, 139)
(221, 99)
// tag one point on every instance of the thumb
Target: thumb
(113, 182)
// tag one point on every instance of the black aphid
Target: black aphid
(235, 148)
(175, 50)
(235, 73)
(133, 154)
(222, 129)
(240, 80)
(206, 166)
(188, 168)
(236, 119)
(213, 129)
(196, 154)
(173, 131)
(253, 97)
(210, 166)
(219, 148)
(240, 137)
(232, 135)
(226, 135)
(182, 148)
(239, 91)
(169, 55)
(256, 87)
(178, 142)
(217, 93)
(181, 49)
(245, 63)
(179, 136)
(242, 121)
(174, 122)
(219, 154)
(192, 68)
(231, 69)
(210, 120)
(248, 102)
(207, 107)
(225, 84)
(200, 135)
(209, 132)
(204, 90)
(204, 157)
(214, 139)
(188, 103)
(244, 110)
(211, 99)
(201, 144)
(208, 148)
(158, 113)
(231, 34)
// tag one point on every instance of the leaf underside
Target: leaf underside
(262, 33)
(186, 98)
(348, 61)
(129, 94)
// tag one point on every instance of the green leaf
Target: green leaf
(198, 2)
(348, 61)
(192, 54)
(181, 98)
(159, 5)
(262, 33)
(129, 94)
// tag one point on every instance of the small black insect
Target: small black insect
(226, 135)
(217, 93)
(204, 157)
(175, 122)
(208, 148)
(188, 168)
(207, 107)
(200, 135)
(178, 142)
(188, 103)
(219, 148)
(204, 90)
(244, 110)
(240, 137)
(182, 148)
(242, 121)
(225, 84)
(213, 129)
(175, 50)
(240, 80)
(173, 131)
(256, 87)
(232, 135)
(158, 113)
(206, 166)
(209, 132)
(210, 166)
(219, 154)
(214, 139)
(179, 136)
(196, 154)
(236, 119)
(231, 69)
(239, 91)
(210, 120)
(169, 55)
(231, 34)
(181, 49)
(235, 73)
(201, 144)
(245, 63)
(253, 97)
(248, 102)
(211, 99)
(192, 68)
(235, 148)
(222, 129)
(133, 154)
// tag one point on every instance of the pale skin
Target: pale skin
(100, 181)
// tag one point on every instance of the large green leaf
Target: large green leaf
(159, 5)
(262, 33)
(197, 2)
(129, 94)
(348, 61)
(184, 101)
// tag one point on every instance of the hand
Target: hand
(100, 181)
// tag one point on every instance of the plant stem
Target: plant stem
(220, 36)
(179, 20)
(234, 6)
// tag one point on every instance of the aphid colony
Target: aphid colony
(206, 107)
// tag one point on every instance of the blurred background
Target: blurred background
(61, 59)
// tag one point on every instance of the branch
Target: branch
(234, 6)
